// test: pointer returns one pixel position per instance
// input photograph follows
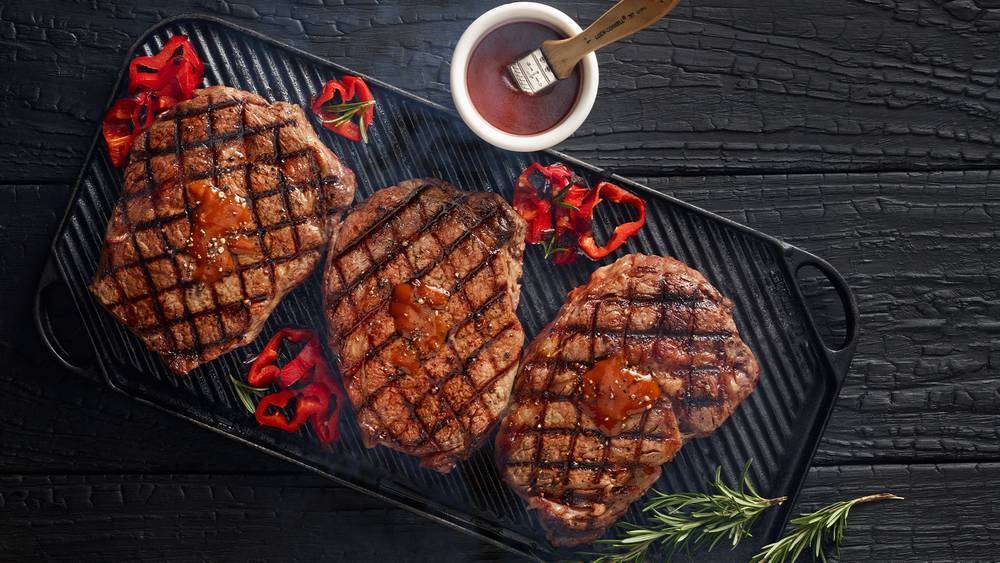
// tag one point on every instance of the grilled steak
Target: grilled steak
(227, 206)
(638, 361)
(420, 288)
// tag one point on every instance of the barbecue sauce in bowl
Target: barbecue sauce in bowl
(495, 95)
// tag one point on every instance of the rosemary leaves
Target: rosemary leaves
(691, 520)
(247, 393)
(703, 520)
(810, 530)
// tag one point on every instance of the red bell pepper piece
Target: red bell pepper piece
(355, 100)
(157, 83)
(326, 423)
(174, 72)
(310, 400)
(307, 366)
(264, 372)
(560, 214)
(303, 365)
(126, 119)
(535, 204)
(621, 233)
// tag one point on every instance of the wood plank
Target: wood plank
(55, 421)
(716, 87)
(216, 517)
(921, 252)
(949, 512)
(30, 217)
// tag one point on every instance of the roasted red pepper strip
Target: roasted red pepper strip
(535, 204)
(126, 119)
(621, 233)
(174, 72)
(264, 372)
(307, 366)
(560, 214)
(119, 131)
(157, 83)
(310, 400)
(350, 89)
(303, 365)
(326, 423)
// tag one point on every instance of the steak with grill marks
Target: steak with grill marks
(228, 203)
(420, 289)
(579, 454)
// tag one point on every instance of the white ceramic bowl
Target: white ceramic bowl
(519, 12)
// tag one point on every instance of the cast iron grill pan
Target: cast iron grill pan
(779, 426)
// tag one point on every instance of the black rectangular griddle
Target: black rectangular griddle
(779, 426)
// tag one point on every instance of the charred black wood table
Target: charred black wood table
(867, 132)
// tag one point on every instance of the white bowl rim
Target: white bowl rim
(520, 11)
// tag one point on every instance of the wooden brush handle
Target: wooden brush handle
(622, 20)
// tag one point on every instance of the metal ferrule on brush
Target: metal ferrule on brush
(532, 73)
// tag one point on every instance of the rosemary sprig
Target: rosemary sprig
(349, 106)
(550, 248)
(560, 199)
(245, 393)
(691, 520)
(346, 112)
(811, 529)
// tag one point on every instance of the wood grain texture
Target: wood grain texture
(187, 517)
(725, 98)
(922, 253)
(55, 421)
(716, 86)
(947, 510)
(31, 214)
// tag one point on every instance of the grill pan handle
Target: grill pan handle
(840, 357)
(46, 330)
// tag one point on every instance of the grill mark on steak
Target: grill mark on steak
(583, 432)
(478, 395)
(350, 369)
(688, 336)
(430, 432)
(436, 425)
(417, 275)
(413, 197)
(237, 319)
(378, 265)
(629, 297)
(424, 271)
(552, 452)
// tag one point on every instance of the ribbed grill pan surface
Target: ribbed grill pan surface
(778, 426)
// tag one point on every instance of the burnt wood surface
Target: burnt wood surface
(862, 131)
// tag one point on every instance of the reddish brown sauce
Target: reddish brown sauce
(423, 327)
(405, 358)
(494, 93)
(613, 391)
(218, 218)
